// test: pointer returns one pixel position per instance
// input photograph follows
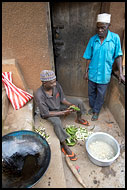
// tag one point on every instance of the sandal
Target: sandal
(95, 117)
(71, 156)
(83, 123)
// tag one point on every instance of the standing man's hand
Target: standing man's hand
(85, 76)
(119, 65)
(121, 78)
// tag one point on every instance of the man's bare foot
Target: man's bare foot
(82, 121)
(66, 150)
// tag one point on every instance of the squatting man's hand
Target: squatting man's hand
(68, 112)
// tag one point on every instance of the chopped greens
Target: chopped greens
(42, 132)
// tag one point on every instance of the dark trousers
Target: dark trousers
(56, 121)
(96, 93)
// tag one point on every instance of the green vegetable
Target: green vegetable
(76, 134)
(70, 141)
(75, 108)
(71, 130)
(71, 144)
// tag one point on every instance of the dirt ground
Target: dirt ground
(94, 176)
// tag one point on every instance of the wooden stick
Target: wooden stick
(74, 171)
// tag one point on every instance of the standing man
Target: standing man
(52, 104)
(102, 50)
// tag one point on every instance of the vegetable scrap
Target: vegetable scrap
(77, 168)
(76, 134)
(42, 132)
(82, 133)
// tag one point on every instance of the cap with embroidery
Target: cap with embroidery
(47, 75)
(104, 17)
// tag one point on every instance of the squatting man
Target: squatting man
(53, 104)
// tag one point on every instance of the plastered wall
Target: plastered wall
(117, 11)
(115, 101)
(25, 38)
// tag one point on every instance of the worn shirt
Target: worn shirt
(48, 103)
(102, 56)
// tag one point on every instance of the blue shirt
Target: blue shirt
(102, 56)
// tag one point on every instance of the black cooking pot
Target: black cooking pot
(25, 158)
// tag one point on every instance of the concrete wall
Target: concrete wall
(25, 27)
(117, 10)
(10, 65)
(5, 105)
(115, 100)
(116, 92)
(26, 36)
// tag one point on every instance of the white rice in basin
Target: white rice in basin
(101, 150)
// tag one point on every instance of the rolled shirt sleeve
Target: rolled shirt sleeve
(118, 50)
(88, 52)
(41, 103)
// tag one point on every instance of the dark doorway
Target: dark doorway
(73, 23)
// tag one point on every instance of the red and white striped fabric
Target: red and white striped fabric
(17, 97)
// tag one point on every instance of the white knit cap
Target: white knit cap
(104, 17)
